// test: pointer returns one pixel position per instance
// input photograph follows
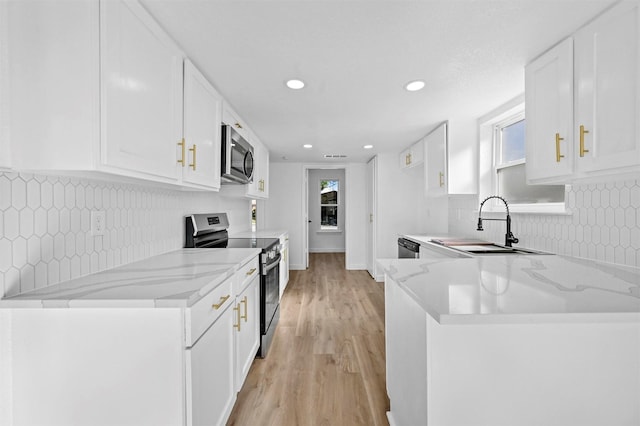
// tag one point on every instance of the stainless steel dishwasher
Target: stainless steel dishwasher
(408, 249)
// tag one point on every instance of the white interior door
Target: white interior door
(305, 200)
(371, 219)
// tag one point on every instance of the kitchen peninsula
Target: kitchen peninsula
(504, 340)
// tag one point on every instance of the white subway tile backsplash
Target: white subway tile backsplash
(45, 224)
(603, 223)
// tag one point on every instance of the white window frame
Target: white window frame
(489, 159)
(324, 228)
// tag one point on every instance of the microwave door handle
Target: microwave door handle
(228, 147)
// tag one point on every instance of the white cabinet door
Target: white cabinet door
(52, 97)
(247, 327)
(412, 156)
(259, 188)
(406, 346)
(141, 87)
(210, 374)
(200, 154)
(607, 84)
(549, 109)
(435, 146)
(231, 118)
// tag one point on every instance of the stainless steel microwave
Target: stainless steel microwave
(237, 157)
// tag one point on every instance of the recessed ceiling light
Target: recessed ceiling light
(414, 85)
(295, 84)
(307, 145)
(368, 146)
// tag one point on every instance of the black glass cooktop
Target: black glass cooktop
(262, 243)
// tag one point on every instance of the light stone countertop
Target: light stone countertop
(518, 288)
(176, 279)
(263, 233)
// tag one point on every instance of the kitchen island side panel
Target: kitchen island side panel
(94, 366)
(566, 374)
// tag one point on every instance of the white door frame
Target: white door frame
(305, 206)
(371, 177)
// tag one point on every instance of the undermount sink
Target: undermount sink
(481, 248)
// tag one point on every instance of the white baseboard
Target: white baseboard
(326, 250)
(293, 267)
(356, 267)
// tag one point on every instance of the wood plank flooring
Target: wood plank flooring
(326, 365)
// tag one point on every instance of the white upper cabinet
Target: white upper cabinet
(106, 86)
(549, 109)
(53, 69)
(141, 82)
(199, 152)
(582, 102)
(606, 85)
(259, 188)
(435, 157)
(412, 156)
(231, 118)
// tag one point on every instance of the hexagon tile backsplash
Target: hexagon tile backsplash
(603, 223)
(45, 224)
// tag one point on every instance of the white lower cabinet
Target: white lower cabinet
(143, 366)
(247, 328)
(210, 374)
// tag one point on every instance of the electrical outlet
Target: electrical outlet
(98, 223)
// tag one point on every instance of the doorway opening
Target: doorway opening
(326, 210)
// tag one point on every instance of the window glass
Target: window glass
(512, 142)
(329, 204)
(510, 166)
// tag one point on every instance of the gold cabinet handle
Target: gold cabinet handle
(181, 144)
(251, 271)
(261, 185)
(582, 133)
(246, 309)
(558, 155)
(223, 299)
(407, 159)
(193, 151)
(237, 309)
(441, 179)
(238, 126)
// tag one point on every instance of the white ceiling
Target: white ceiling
(356, 56)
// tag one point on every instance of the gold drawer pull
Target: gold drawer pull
(244, 300)
(237, 309)
(441, 179)
(221, 302)
(558, 155)
(251, 271)
(181, 144)
(193, 150)
(582, 133)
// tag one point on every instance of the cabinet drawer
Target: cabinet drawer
(201, 315)
(246, 274)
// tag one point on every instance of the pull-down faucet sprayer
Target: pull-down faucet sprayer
(509, 238)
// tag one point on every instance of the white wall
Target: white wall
(321, 241)
(285, 210)
(45, 220)
(401, 203)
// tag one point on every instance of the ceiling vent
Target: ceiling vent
(335, 156)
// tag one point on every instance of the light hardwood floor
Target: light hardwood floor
(326, 366)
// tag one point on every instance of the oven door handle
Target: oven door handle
(273, 264)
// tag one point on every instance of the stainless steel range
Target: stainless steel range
(210, 231)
